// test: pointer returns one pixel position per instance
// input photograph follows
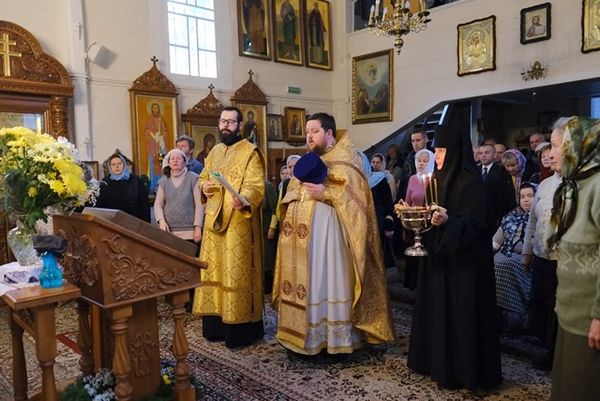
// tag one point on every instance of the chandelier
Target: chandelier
(399, 22)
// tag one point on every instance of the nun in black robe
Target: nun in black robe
(454, 337)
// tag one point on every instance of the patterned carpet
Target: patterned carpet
(266, 371)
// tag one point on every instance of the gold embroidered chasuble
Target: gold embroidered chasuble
(232, 285)
(348, 192)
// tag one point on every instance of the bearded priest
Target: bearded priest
(329, 285)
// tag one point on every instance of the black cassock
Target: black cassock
(454, 337)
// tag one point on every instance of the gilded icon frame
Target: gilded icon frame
(141, 111)
(260, 119)
(275, 127)
(476, 46)
(281, 52)
(202, 136)
(263, 49)
(373, 87)
(294, 120)
(590, 32)
(314, 55)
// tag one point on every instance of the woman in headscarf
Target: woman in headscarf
(417, 183)
(382, 198)
(576, 216)
(415, 196)
(514, 162)
(543, 153)
(541, 261)
(178, 207)
(378, 164)
(393, 163)
(454, 337)
(513, 282)
(123, 190)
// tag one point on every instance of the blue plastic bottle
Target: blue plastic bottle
(51, 276)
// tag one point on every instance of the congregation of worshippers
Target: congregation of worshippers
(511, 239)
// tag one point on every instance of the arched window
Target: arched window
(192, 40)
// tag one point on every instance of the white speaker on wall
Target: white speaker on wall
(97, 54)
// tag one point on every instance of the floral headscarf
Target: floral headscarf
(513, 227)
(514, 224)
(580, 160)
(521, 161)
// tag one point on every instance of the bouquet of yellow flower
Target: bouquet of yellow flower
(38, 171)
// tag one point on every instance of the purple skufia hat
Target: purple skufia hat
(310, 168)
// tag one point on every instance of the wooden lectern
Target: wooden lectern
(122, 264)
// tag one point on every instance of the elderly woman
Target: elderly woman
(576, 216)
(123, 190)
(543, 153)
(178, 207)
(538, 259)
(417, 183)
(514, 162)
(513, 283)
(415, 196)
(518, 168)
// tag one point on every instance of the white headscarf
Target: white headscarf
(165, 162)
(430, 164)
(290, 158)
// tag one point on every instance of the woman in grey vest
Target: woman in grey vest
(178, 207)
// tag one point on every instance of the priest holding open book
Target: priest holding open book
(230, 298)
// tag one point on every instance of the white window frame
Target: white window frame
(192, 47)
(159, 45)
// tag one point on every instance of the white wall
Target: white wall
(128, 29)
(46, 20)
(424, 73)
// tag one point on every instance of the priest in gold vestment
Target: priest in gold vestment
(329, 286)
(230, 297)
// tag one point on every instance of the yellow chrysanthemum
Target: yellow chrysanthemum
(51, 163)
(57, 186)
(74, 184)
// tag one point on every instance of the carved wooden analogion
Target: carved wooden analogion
(122, 264)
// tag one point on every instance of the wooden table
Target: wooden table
(33, 309)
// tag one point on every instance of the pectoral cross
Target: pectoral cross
(6, 53)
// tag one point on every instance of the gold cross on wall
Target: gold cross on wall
(5, 52)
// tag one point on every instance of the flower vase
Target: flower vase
(20, 241)
(51, 276)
